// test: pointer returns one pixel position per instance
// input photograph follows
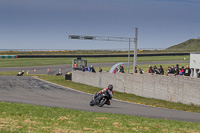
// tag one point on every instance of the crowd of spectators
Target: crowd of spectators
(172, 70)
(120, 69)
(89, 69)
(154, 70)
(179, 70)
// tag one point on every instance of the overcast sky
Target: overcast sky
(46, 24)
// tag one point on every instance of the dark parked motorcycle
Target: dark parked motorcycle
(100, 99)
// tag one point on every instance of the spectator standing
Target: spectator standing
(92, 69)
(141, 71)
(136, 69)
(168, 70)
(100, 69)
(156, 70)
(161, 70)
(115, 70)
(150, 69)
(187, 71)
(177, 70)
(83, 68)
(172, 70)
(155, 67)
(89, 69)
(121, 69)
(181, 71)
(75, 65)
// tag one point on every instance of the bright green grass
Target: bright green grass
(9, 73)
(24, 62)
(23, 118)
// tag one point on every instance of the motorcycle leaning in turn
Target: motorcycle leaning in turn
(101, 99)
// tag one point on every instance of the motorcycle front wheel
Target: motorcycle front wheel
(92, 103)
(102, 101)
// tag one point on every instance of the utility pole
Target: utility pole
(135, 50)
(129, 47)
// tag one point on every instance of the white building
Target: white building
(194, 63)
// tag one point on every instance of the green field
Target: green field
(23, 118)
(24, 62)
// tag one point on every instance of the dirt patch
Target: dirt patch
(116, 124)
(29, 121)
(31, 128)
(59, 131)
(71, 122)
(87, 129)
(98, 123)
(165, 130)
(4, 122)
(19, 127)
(45, 127)
(133, 124)
(147, 129)
(63, 118)
(101, 118)
(3, 126)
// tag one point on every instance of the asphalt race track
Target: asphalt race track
(35, 91)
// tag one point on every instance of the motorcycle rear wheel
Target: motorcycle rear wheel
(92, 103)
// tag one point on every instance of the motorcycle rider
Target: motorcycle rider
(110, 91)
(20, 73)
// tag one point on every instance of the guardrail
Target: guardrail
(7, 56)
(111, 55)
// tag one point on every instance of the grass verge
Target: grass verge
(25, 62)
(21, 118)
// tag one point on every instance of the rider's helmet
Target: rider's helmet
(110, 87)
